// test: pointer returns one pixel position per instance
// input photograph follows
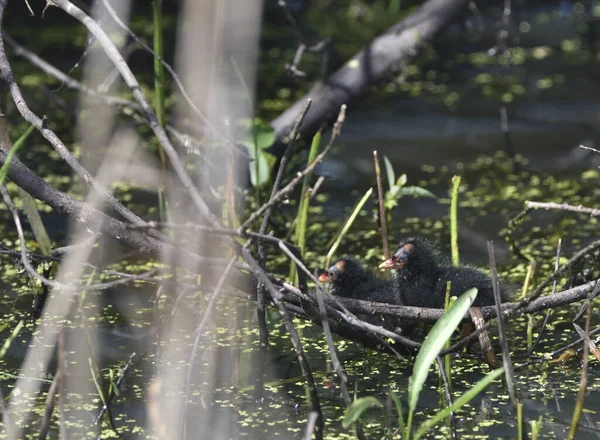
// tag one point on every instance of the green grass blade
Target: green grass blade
(465, 398)
(303, 208)
(37, 225)
(159, 70)
(434, 342)
(454, 220)
(399, 411)
(11, 338)
(389, 172)
(300, 232)
(357, 408)
(347, 225)
(13, 151)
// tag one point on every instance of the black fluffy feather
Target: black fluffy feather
(422, 274)
(349, 278)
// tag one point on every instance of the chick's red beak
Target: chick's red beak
(324, 278)
(388, 264)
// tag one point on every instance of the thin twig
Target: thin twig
(345, 313)
(506, 360)
(310, 425)
(114, 55)
(277, 298)
(262, 256)
(563, 207)
(548, 356)
(41, 124)
(171, 71)
(589, 148)
(448, 394)
(584, 377)
(549, 312)
(277, 198)
(118, 383)
(380, 199)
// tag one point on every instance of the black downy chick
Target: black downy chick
(422, 274)
(349, 278)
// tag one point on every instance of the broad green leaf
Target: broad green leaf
(358, 407)
(265, 163)
(434, 342)
(389, 172)
(465, 398)
(264, 135)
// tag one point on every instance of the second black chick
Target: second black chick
(349, 278)
(422, 274)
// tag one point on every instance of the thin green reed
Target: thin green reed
(303, 204)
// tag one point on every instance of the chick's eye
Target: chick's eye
(331, 274)
(399, 257)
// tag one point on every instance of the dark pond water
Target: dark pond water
(554, 108)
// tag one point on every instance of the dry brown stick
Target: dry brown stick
(448, 394)
(310, 425)
(345, 313)
(592, 346)
(548, 356)
(278, 299)
(118, 383)
(561, 270)
(199, 332)
(70, 82)
(337, 366)
(383, 57)
(277, 198)
(33, 273)
(172, 72)
(563, 207)
(589, 148)
(549, 311)
(584, 377)
(49, 405)
(506, 359)
(484, 337)
(40, 123)
(261, 355)
(380, 199)
(114, 55)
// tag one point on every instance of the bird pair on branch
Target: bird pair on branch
(421, 279)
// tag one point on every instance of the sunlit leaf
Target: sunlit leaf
(389, 172)
(417, 191)
(264, 135)
(262, 175)
(434, 342)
